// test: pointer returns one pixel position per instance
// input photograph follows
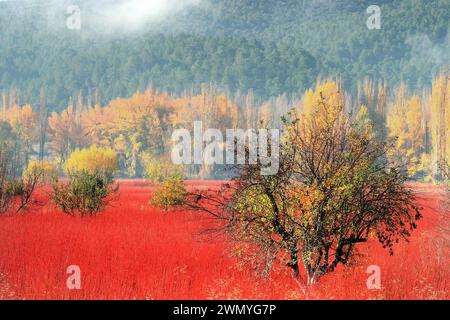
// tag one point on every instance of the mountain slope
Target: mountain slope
(272, 47)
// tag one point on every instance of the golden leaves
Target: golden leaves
(93, 160)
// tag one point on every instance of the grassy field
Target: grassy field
(132, 251)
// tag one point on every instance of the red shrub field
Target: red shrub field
(132, 251)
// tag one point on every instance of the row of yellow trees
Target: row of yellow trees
(138, 129)
(422, 127)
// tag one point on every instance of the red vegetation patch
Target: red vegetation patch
(132, 251)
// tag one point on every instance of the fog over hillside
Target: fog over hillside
(269, 47)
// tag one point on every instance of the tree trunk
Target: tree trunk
(294, 260)
(311, 279)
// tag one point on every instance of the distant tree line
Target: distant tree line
(139, 128)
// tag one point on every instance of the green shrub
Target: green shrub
(171, 193)
(8, 191)
(14, 188)
(85, 193)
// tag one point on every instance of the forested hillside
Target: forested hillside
(271, 48)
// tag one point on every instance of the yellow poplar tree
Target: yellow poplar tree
(93, 160)
(405, 123)
(439, 106)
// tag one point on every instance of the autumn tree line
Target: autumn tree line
(139, 128)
